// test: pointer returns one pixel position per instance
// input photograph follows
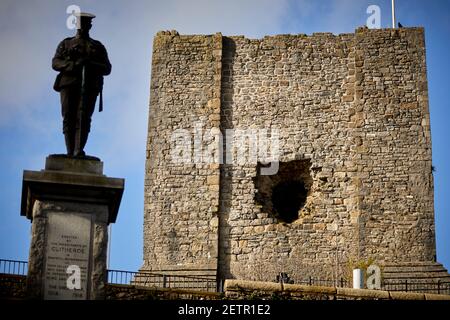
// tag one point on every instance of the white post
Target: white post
(393, 14)
(358, 278)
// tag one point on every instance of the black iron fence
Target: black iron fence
(150, 279)
(18, 269)
(14, 267)
(438, 286)
(311, 281)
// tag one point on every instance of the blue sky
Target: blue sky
(30, 119)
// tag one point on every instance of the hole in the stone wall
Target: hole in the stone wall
(288, 197)
(284, 194)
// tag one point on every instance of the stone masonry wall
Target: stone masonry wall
(181, 203)
(393, 146)
(351, 109)
(296, 84)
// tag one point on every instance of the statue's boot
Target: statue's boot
(79, 152)
(69, 144)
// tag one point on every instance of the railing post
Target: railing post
(164, 281)
(439, 286)
(342, 282)
(310, 280)
(406, 285)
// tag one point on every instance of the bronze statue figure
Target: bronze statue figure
(82, 62)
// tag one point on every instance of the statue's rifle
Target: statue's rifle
(82, 106)
(100, 104)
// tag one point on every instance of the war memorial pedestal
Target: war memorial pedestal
(70, 204)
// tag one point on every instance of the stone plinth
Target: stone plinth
(70, 204)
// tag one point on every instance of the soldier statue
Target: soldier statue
(82, 62)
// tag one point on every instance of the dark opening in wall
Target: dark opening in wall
(284, 194)
(287, 199)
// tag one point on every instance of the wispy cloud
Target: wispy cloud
(33, 30)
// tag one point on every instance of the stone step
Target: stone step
(417, 276)
(413, 264)
(416, 271)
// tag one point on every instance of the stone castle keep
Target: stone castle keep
(355, 173)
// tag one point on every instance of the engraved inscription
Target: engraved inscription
(68, 243)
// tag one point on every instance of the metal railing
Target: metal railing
(150, 279)
(311, 281)
(439, 287)
(14, 267)
(205, 283)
